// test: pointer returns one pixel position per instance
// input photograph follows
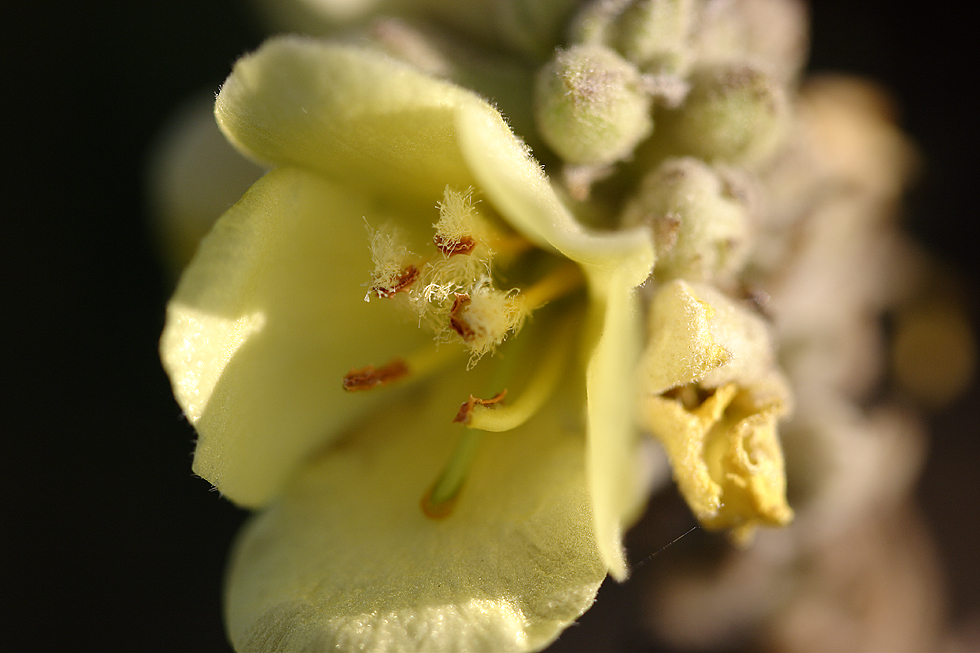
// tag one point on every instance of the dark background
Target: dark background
(109, 542)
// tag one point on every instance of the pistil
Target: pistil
(439, 501)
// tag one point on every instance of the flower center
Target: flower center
(452, 288)
(455, 291)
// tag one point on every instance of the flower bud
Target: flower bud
(653, 34)
(591, 107)
(700, 225)
(734, 113)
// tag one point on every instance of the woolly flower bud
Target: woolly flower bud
(734, 113)
(653, 34)
(590, 106)
(700, 226)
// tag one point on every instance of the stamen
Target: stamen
(394, 270)
(497, 418)
(399, 284)
(484, 317)
(460, 225)
(462, 228)
(466, 409)
(418, 365)
(371, 377)
(451, 247)
(456, 320)
(556, 284)
(481, 415)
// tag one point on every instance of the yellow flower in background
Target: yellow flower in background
(385, 524)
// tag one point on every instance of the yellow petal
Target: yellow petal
(726, 456)
(682, 346)
(750, 461)
(612, 446)
(359, 117)
(723, 447)
(346, 559)
(697, 334)
(350, 114)
(683, 434)
(265, 323)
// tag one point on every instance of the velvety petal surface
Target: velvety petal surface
(346, 559)
(347, 113)
(681, 346)
(268, 319)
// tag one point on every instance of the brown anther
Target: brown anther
(369, 377)
(404, 280)
(466, 408)
(451, 247)
(456, 320)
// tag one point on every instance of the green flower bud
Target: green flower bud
(700, 225)
(733, 113)
(591, 107)
(653, 34)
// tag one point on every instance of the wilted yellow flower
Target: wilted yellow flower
(712, 395)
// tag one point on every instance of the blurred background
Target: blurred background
(110, 542)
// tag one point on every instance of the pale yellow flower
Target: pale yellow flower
(351, 550)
